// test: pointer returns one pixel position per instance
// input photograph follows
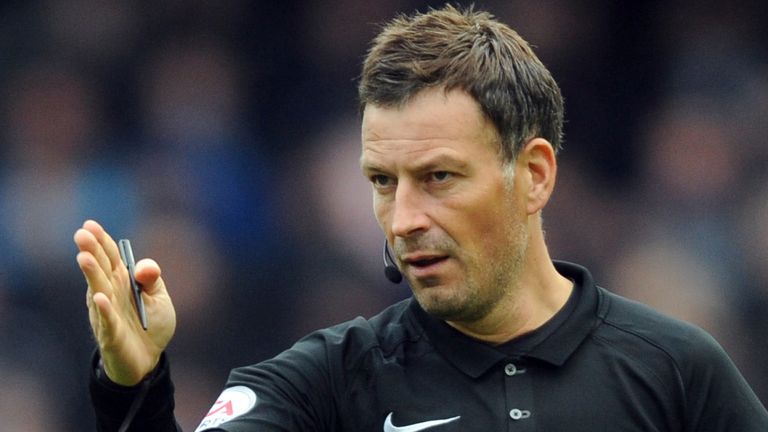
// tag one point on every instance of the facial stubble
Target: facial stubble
(487, 282)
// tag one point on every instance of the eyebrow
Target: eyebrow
(430, 163)
(440, 161)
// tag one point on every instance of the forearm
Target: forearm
(113, 403)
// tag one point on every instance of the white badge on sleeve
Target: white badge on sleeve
(233, 402)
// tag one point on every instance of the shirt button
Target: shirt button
(517, 414)
(510, 369)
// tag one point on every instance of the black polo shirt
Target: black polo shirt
(602, 363)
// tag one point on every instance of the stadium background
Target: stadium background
(222, 138)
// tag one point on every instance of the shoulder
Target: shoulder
(329, 358)
(653, 337)
(346, 343)
(682, 357)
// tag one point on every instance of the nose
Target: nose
(409, 216)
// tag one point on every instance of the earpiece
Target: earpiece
(390, 268)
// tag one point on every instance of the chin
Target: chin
(435, 302)
(446, 303)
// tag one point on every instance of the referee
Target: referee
(461, 124)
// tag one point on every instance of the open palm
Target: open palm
(128, 352)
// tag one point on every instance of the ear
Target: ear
(538, 159)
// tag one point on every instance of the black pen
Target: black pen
(126, 254)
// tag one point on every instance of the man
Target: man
(461, 123)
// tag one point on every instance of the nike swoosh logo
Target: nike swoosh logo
(389, 427)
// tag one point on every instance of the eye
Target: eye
(440, 176)
(381, 180)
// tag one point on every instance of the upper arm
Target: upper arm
(718, 398)
(291, 392)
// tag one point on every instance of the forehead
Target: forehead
(432, 119)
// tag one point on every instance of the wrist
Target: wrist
(103, 377)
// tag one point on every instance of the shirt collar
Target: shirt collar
(559, 346)
(474, 357)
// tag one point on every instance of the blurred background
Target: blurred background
(222, 138)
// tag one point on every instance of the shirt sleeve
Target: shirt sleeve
(718, 397)
(291, 392)
(113, 403)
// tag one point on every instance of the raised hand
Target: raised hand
(128, 352)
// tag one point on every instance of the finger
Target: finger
(94, 315)
(86, 241)
(108, 320)
(97, 280)
(105, 310)
(106, 241)
(100, 283)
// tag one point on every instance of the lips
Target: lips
(423, 260)
(429, 267)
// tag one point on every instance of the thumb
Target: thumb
(148, 275)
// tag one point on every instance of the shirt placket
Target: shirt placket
(519, 395)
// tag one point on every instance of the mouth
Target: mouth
(424, 265)
(425, 262)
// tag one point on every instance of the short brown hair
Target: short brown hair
(472, 51)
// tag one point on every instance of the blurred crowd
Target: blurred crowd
(222, 138)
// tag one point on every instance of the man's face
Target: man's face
(452, 215)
